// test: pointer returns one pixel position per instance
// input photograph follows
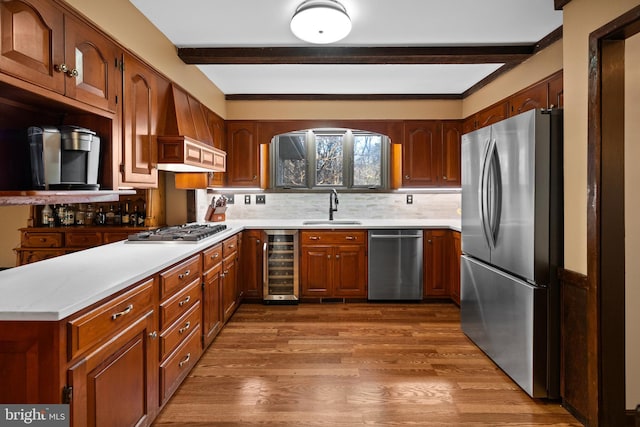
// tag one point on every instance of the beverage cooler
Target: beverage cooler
(280, 263)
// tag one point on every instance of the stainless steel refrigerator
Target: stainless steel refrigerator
(512, 234)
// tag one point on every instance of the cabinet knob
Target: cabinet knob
(153, 335)
(72, 73)
(328, 256)
(429, 241)
(337, 256)
(444, 177)
(407, 177)
(62, 68)
(255, 177)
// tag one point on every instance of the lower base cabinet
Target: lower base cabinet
(124, 370)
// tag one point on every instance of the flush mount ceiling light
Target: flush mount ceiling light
(320, 21)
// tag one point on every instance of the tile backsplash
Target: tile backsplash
(351, 205)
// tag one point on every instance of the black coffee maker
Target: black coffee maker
(64, 158)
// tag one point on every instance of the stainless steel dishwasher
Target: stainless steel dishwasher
(395, 264)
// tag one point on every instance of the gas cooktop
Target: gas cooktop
(179, 233)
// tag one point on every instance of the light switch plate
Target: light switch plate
(247, 199)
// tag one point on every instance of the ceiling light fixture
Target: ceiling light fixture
(320, 21)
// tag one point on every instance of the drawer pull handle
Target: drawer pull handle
(350, 238)
(184, 328)
(123, 312)
(185, 274)
(314, 238)
(214, 256)
(185, 360)
(185, 301)
(232, 246)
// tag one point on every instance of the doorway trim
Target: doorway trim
(605, 221)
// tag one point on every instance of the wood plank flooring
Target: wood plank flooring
(351, 365)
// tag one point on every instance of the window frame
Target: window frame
(347, 165)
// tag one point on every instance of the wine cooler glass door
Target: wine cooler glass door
(280, 253)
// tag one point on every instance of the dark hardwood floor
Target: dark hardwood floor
(351, 365)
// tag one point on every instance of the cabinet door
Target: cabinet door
(350, 271)
(451, 143)
(211, 307)
(436, 263)
(229, 291)
(32, 42)
(92, 60)
(117, 385)
(534, 97)
(243, 155)
(251, 262)
(556, 93)
(420, 153)
(139, 121)
(493, 114)
(315, 271)
(454, 270)
(217, 129)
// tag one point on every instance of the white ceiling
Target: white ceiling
(379, 23)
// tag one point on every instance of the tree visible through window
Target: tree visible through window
(329, 158)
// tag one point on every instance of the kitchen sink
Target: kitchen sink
(334, 222)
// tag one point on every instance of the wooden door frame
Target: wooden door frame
(605, 221)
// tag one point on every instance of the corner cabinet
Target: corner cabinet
(243, 154)
(140, 111)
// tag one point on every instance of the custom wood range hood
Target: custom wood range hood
(187, 144)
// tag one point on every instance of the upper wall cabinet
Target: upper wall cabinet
(42, 45)
(244, 154)
(142, 89)
(431, 153)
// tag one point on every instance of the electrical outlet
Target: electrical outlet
(247, 199)
(230, 199)
(409, 199)
(260, 199)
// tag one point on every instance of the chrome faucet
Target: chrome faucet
(333, 203)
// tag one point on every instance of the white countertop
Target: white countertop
(55, 288)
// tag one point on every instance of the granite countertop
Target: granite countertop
(56, 288)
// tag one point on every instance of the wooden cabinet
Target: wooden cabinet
(251, 261)
(32, 42)
(454, 270)
(556, 92)
(218, 135)
(333, 264)
(91, 60)
(431, 153)
(229, 293)
(451, 154)
(529, 99)
(38, 243)
(243, 152)
(488, 116)
(138, 148)
(211, 294)
(114, 376)
(180, 323)
(43, 45)
(436, 262)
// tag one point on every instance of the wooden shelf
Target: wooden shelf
(34, 197)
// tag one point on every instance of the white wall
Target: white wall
(632, 225)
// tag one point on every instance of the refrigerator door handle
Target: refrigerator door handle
(495, 195)
(485, 193)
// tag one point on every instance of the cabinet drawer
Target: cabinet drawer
(179, 303)
(177, 277)
(27, 256)
(174, 335)
(229, 246)
(83, 239)
(116, 236)
(312, 237)
(100, 323)
(178, 365)
(41, 240)
(212, 256)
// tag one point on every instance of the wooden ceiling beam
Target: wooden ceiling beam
(356, 55)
